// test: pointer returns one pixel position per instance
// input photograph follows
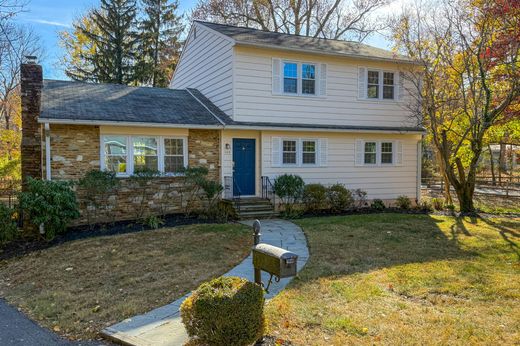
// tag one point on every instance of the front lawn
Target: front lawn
(404, 279)
(80, 287)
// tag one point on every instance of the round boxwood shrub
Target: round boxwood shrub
(315, 197)
(339, 197)
(403, 202)
(225, 311)
(378, 204)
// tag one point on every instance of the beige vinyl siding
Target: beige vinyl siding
(255, 101)
(385, 182)
(206, 65)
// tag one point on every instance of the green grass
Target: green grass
(404, 279)
(80, 287)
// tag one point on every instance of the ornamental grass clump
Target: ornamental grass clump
(225, 311)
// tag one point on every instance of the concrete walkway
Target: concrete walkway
(163, 326)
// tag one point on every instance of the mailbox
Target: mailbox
(274, 260)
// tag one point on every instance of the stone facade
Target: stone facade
(75, 150)
(31, 148)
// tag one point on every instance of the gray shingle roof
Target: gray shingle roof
(111, 102)
(249, 36)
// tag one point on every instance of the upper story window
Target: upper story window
(126, 155)
(377, 84)
(308, 79)
(290, 77)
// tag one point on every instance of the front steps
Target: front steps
(254, 208)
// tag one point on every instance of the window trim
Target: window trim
(299, 152)
(296, 152)
(130, 153)
(381, 84)
(299, 78)
(379, 162)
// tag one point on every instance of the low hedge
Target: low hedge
(225, 311)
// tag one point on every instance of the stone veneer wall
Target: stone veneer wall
(75, 150)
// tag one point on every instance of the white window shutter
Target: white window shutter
(324, 151)
(360, 152)
(399, 153)
(400, 86)
(323, 80)
(362, 86)
(277, 82)
(276, 148)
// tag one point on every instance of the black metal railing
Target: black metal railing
(237, 194)
(268, 190)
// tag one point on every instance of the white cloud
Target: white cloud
(49, 22)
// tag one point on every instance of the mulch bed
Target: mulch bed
(22, 247)
(273, 341)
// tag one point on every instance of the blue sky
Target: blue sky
(48, 17)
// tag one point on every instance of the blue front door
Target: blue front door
(244, 166)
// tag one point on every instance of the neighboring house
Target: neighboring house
(247, 104)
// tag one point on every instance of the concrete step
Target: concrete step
(256, 207)
(257, 215)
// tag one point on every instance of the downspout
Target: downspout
(419, 170)
(47, 151)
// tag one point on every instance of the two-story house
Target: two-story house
(330, 111)
(247, 104)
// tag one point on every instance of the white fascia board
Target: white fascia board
(317, 129)
(125, 123)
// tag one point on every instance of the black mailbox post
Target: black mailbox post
(276, 261)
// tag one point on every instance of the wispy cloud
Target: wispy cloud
(49, 22)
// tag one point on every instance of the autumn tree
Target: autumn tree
(335, 19)
(159, 41)
(469, 82)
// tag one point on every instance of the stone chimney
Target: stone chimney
(31, 88)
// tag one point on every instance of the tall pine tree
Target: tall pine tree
(115, 40)
(159, 30)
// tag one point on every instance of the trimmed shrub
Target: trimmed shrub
(225, 311)
(403, 202)
(289, 188)
(49, 203)
(339, 198)
(378, 204)
(315, 197)
(8, 228)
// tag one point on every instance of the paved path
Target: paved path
(163, 326)
(18, 330)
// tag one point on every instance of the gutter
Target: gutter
(222, 127)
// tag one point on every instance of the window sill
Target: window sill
(367, 100)
(298, 96)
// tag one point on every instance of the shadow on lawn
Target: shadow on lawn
(507, 231)
(354, 244)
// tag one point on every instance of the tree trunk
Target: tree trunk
(492, 166)
(465, 196)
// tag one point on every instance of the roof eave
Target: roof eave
(321, 52)
(125, 123)
(322, 129)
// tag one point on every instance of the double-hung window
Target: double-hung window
(308, 152)
(145, 152)
(370, 153)
(173, 155)
(289, 153)
(126, 155)
(299, 78)
(387, 152)
(380, 85)
(290, 77)
(308, 79)
(115, 151)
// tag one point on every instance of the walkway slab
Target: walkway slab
(163, 326)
